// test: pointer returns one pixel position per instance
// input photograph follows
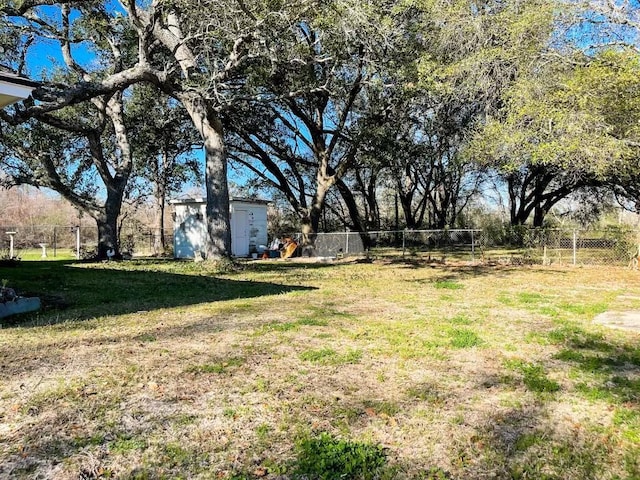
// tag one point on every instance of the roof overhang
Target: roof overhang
(14, 88)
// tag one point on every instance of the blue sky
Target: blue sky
(45, 56)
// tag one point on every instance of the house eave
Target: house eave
(14, 88)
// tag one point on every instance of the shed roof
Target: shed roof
(190, 201)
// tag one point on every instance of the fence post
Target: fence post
(473, 246)
(575, 246)
(403, 241)
(78, 242)
(55, 240)
(346, 246)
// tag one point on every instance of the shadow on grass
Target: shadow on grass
(605, 372)
(610, 370)
(69, 291)
(452, 273)
(290, 264)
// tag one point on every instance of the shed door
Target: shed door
(240, 233)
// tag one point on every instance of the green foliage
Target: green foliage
(126, 445)
(625, 241)
(575, 119)
(460, 319)
(325, 457)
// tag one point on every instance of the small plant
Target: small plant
(327, 458)
(7, 294)
(460, 319)
(262, 432)
(318, 356)
(535, 378)
(464, 338)
(447, 284)
(328, 356)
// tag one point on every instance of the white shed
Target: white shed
(248, 226)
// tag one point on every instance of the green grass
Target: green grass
(218, 367)
(464, 338)
(35, 254)
(327, 458)
(328, 356)
(392, 369)
(534, 376)
(447, 284)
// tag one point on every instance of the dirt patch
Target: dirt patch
(622, 320)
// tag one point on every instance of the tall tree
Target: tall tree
(304, 145)
(67, 151)
(197, 54)
(576, 129)
(163, 151)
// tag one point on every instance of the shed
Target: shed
(248, 226)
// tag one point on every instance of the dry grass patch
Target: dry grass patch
(455, 370)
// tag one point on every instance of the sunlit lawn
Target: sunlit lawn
(298, 370)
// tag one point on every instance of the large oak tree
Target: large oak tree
(196, 53)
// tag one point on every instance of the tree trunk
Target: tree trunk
(159, 241)
(354, 213)
(538, 216)
(108, 232)
(218, 222)
(407, 210)
(209, 126)
(311, 220)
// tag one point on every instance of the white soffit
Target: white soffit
(14, 88)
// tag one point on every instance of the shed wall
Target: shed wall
(248, 228)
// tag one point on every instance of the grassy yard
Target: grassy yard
(391, 369)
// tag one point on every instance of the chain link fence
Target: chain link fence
(510, 245)
(70, 241)
(615, 246)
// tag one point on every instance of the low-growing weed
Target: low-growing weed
(325, 457)
(218, 367)
(460, 319)
(447, 284)
(318, 356)
(629, 420)
(125, 445)
(328, 356)
(464, 338)
(534, 377)
(530, 298)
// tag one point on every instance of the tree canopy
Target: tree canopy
(329, 103)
